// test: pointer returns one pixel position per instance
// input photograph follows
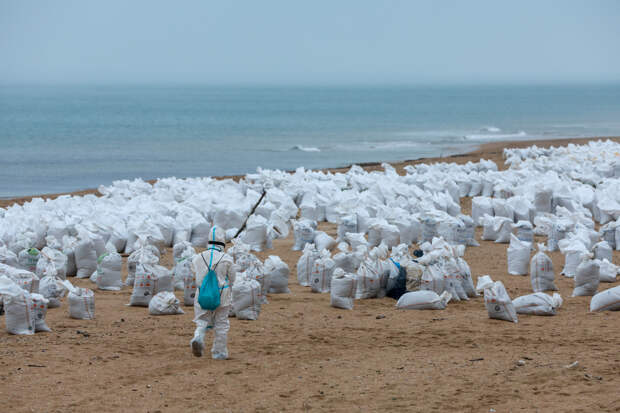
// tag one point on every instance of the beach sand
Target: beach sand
(301, 354)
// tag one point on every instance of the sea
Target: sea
(63, 138)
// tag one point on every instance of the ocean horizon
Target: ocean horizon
(65, 138)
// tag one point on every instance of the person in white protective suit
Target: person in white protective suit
(216, 259)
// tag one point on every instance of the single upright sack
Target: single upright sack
(306, 264)
(150, 280)
(321, 276)
(28, 259)
(52, 288)
(85, 258)
(369, 278)
(109, 271)
(39, 304)
(48, 257)
(608, 300)
(8, 257)
(607, 271)
(189, 285)
(518, 254)
(423, 300)
(603, 251)
(538, 304)
(180, 271)
(144, 255)
(541, 272)
(343, 287)
(81, 302)
(18, 307)
(165, 303)
(304, 233)
(525, 231)
(587, 277)
(277, 271)
(246, 298)
(498, 303)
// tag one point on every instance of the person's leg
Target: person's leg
(219, 351)
(203, 323)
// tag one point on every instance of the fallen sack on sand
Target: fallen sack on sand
(541, 271)
(306, 264)
(608, 300)
(150, 280)
(165, 303)
(246, 298)
(81, 302)
(109, 271)
(518, 254)
(496, 299)
(537, 304)
(587, 277)
(343, 287)
(18, 308)
(277, 271)
(423, 300)
(39, 304)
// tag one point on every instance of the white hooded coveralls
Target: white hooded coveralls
(217, 319)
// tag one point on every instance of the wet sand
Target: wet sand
(301, 354)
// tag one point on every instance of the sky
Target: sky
(309, 42)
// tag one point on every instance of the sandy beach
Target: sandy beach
(303, 355)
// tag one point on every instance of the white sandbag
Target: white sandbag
(608, 300)
(343, 287)
(323, 241)
(81, 302)
(466, 281)
(256, 272)
(150, 280)
(85, 258)
(423, 300)
(433, 279)
(189, 286)
(558, 233)
(414, 275)
(305, 264)
(39, 304)
(26, 280)
(246, 298)
(143, 255)
(525, 231)
(181, 271)
(347, 223)
(368, 279)
(481, 206)
(255, 234)
(8, 257)
(542, 200)
(498, 303)
(182, 249)
(541, 271)
(348, 261)
(518, 254)
(607, 271)
(573, 250)
(165, 303)
(321, 276)
(18, 308)
(502, 209)
(304, 233)
(109, 267)
(602, 251)
(538, 304)
(278, 272)
(54, 257)
(608, 234)
(199, 235)
(587, 277)
(52, 288)
(28, 258)
(496, 229)
(356, 239)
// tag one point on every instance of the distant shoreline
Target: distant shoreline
(487, 150)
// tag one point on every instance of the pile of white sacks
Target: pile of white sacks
(559, 193)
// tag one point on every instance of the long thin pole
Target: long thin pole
(250, 214)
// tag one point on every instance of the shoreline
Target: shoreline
(486, 150)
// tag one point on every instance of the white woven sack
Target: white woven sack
(423, 300)
(343, 287)
(538, 304)
(165, 303)
(246, 298)
(518, 254)
(608, 300)
(498, 303)
(541, 272)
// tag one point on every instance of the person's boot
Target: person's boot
(198, 342)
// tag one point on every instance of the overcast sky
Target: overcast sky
(289, 41)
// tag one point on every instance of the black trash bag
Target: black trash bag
(418, 253)
(397, 286)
